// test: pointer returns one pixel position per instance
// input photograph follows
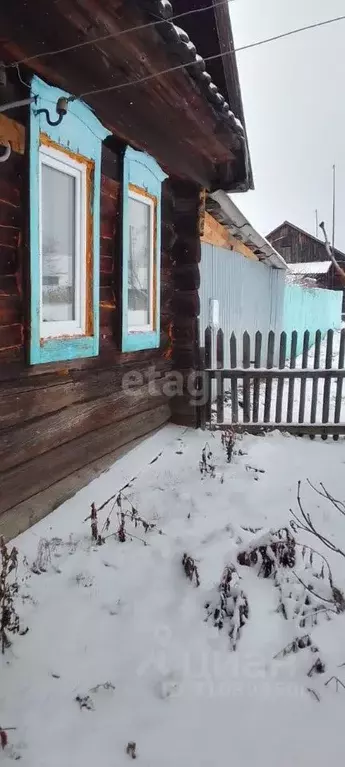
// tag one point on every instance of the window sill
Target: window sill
(61, 349)
(137, 341)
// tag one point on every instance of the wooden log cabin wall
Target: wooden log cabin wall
(62, 422)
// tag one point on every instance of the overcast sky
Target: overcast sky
(294, 102)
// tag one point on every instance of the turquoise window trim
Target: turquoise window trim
(143, 172)
(81, 132)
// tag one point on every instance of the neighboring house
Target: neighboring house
(102, 193)
(242, 272)
(307, 257)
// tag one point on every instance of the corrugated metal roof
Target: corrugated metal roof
(310, 267)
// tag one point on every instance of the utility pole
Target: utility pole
(333, 214)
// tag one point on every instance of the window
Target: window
(62, 244)
(64, 229)
(141, 265)
(141, 251)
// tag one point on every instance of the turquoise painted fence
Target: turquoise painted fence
(311, 309)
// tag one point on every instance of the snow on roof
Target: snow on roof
(310, 267)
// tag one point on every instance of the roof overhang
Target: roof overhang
(179, 116)
(224, 210)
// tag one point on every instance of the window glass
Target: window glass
(140, 268)
(58, 245)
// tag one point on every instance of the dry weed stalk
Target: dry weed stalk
(190, 569)
(9, 618)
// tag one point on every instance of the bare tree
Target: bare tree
(338, 269)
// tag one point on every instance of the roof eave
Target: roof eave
(240, 227)
(196, 68)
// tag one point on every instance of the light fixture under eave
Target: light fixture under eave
(61, 108)
(7, 153)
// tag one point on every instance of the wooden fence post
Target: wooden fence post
(268, 392)
(327, 384)
(234, 389)
(338, 395)
(306, 339)
(203, 386)
(246, 380)
(317, 351)
(208, 364)
(220, 379)
(280, 385)
(291, 390)
(256, 385)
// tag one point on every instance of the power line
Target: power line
(209, 58)
(115, 35)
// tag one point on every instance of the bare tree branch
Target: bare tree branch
(339, 505)
(307, 525)
(330, 254)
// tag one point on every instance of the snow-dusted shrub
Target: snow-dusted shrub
(269, 550)
(190, 568)
(230, 606)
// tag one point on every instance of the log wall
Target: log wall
(57, 419)
(186, 254)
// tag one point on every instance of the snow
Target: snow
(297, 389)
(312, 267)
(121, 626)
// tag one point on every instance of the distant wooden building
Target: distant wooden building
(306, 256)
(112, 130)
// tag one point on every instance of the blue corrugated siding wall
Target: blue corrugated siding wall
(311, 309)
(250, 295)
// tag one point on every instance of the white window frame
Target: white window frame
(152, 265)
(61, 161)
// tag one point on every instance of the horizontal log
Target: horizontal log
(186, 251)
(299, 429)
(107, 316)
(109, 187)
(38, 436)
(9, 192)
(106, 279)
(107, 227)
(9, 215)
(107, 296)
(186, 303)
(8, 285)
(8, 259)
(187, 277)
(272, 373)
(12, 358)
(23, 484)
(10, 335)
(111, 164)
(32, 399)
(10, 310)
(107, 246)
(110, 357)
(107, 264)
(9, 235)
(109, 205)
(183, 412)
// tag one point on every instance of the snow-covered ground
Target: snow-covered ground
(120, 627)
(297, 389)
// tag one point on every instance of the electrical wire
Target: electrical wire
(230, 52)
(115, 35)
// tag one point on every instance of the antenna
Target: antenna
(316, 223)
(333, 215)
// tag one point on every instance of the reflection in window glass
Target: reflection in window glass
(139, 264)
(58, 245)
